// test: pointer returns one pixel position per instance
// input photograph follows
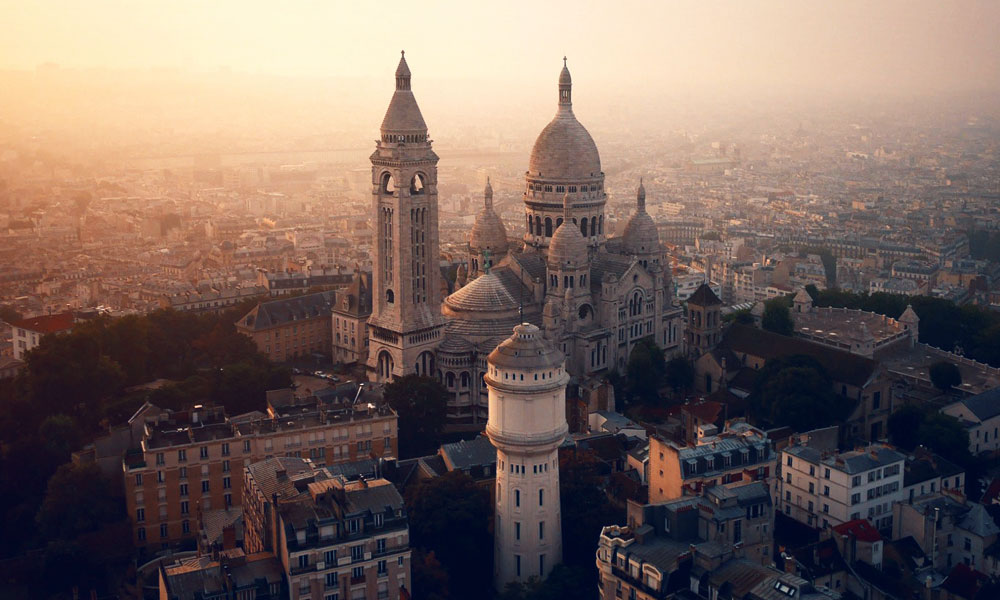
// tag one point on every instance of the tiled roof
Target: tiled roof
(859, 528)
(46, 323)
(280, 312)
(985, 405)
(467, 454)
(704, 296)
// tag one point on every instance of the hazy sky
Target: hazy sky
(662, 45)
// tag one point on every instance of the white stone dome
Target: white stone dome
(564, 149)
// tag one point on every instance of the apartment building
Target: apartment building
(740, 453)
(191, 461)
(950, 530)
(27, 334)
(291, 328)
(333, 538)
(824, 488)
(714, 546)
(980, 414)
(351, 310)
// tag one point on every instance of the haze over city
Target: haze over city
(407, 300)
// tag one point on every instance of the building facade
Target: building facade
(333, 538)
(527, 381)
(291, 328)
(821, 489)
(27, 334)
(190, 462)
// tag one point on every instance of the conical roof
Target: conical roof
(403, 115)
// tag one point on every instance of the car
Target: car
(333, 378)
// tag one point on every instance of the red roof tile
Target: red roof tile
(861, 529)
(47, 323)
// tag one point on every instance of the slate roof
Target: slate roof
(979, 522)
(467, 454)
(985, 405)
(286, 310)
(842, 367)
(704, 296)
(605, 264)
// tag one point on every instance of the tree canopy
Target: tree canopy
(449, 519)
(777, 317)
(644, 372)
(945, 375)
(422, 405)
(797, 392)
(679, 373)
(913, 426)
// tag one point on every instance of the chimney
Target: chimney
(228, 537)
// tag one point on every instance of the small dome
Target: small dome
(488, 232)
(640, 235)
(455, 344)
(486, 293)
(567, 245)
(526, 349)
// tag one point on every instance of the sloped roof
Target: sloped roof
(979, 522)
(842, 367)
(859, 528)
(985, 405)
(704, 296)
(467, 454)
(46, 323)
(286, 310)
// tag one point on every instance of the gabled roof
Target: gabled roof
(985, 405)
(286, 310)
(704, 296)
(979, 522)
(860, 529)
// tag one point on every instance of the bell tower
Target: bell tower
(406, 323)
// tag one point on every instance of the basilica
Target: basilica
(592, 295)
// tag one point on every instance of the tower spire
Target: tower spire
(640, 197)
(567, 208)
(402, 72)
(488, 193)
(565, 87)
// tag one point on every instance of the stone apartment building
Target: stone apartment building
(27, 334)
(740, 453)
(825, 488)
(717, 545)
(351, 309)
(190, 462)
(980, 414)
(333, 538)
(950, 531)
(291, 328)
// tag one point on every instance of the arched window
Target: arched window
(558, 222)
(449, 378)
(388, 184)
(548, 226)
(465, 379)
(531, 226)
(417, 184)
(600, 225)
(390, 297)
(583, 226)
(384, 366)
(425, 364)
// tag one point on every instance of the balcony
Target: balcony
(357, 580)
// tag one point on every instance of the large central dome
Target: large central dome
(564, 150)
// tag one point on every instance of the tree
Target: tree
(422, 405)
(585, 507)
(945, 375)
(450, 516)
(60, 436)
(429, 577)
(644, 372)
(78, 500)
(679, 374)
(904, 426)
(777, 317)
(9, 314)
(795, 391)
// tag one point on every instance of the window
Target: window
(185, 507)
(358, 573)
(789, 461)
(204, 486)
(855, 498)
(303, 561)
(856, 481)
(163, 530)
(826, 473)
(517, 530)
(182, 456)
(246, 445)
(184, 489)
(140, 514)
(141, 534)
(541, 530)
(227, 483)
(160, 460)
(541, 565)
(826, 490)
(138, 479)
(183, 472)
(330, 557)
(225, 466)
(225, 449)
(517, 497)
(379, 518)
(380, 545)
(203, 452)
(186, 526)
(517, 564)
(382, 568)
(331, 580)
(357, 552)
(541, 497)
